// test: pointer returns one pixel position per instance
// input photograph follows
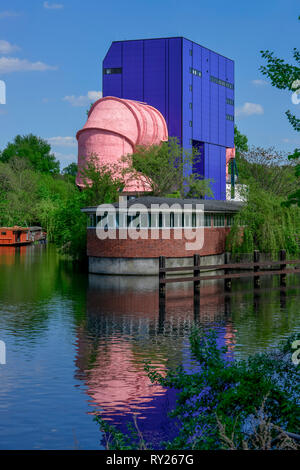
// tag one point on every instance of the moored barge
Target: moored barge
(18, 236)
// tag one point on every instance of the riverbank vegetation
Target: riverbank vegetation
(271, 215)
(33, 191)
(269, 220)
(225, 403)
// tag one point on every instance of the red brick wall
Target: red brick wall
(214, 243)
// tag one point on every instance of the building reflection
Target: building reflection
(124, 326)
(9, 254)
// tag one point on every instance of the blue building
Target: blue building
(192, 86)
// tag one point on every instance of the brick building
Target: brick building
(174, 228)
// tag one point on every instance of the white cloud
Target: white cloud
(52, 6)
(7, 48)
(259, 82)
(248, 109)
(12, 64)
(7, 14)
(83, 100)
(62, 141)
(2, 92)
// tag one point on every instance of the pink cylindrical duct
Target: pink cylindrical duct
(230, 155)
(114, 128)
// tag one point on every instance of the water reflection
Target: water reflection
(10, 254)
(78, 342)
(126, 324)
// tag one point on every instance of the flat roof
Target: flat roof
(210, 205)
(171, 37)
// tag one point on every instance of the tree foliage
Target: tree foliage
(228, 404)
(70, 169)
(102, 182)
(167, 169)
(286, 76)
(283, 76)
(294, 197)
(36, 151)
(268, 168)
(32, 195)
(240, 142)
(265, 225)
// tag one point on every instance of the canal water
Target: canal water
(75, 345)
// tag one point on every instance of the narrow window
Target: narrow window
(111, 71)
(207, 220)
(229, 220)
(219, 220)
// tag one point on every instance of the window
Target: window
(191, 51)
(229, 101)
(229, 117)
(191, 123)
(191, 141)
(3, 233)
(91, 221)
(221, 82)
(207, 220)
(196, 72)
(112, 71)
(191, 87)
(191, 105)
(229, 220)
(219, 220)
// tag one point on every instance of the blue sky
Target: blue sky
(51, 55)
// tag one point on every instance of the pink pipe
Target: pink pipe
(230, 155)
(114, 128)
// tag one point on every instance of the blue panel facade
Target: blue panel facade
(132, 70)
(174, 100)
(192, 86)
(205, 102)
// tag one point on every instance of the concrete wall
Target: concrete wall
(144, 266)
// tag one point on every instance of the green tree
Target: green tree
(35, 150)
(241, 146)
(294, 198)
(166, 168)
(18, 193)
(286, 76)
(70, 169)
(224, 403)
(102, 182)
(66, 223)
(268, 168)
(67, 226)
(283, 76)
(240, 142)
(263, 224)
